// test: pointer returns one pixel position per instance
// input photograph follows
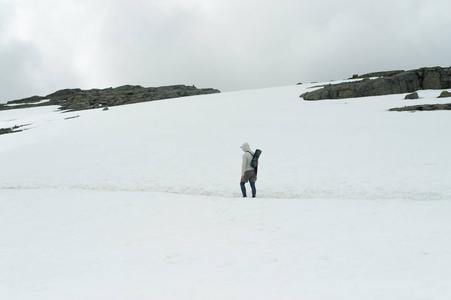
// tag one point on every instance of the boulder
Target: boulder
(444, 94)
(412, 96)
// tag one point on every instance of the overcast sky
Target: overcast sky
(230, 45)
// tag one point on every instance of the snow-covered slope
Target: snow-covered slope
(347, 149)
(143, 201)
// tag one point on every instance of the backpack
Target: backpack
(254, 161)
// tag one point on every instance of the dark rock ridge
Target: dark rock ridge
(77, 99)
(24, 103)
(391, 82)
(378, 74)
(423, 107)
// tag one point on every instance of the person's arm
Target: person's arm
(243, 166)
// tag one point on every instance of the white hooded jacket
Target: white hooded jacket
(247, 158)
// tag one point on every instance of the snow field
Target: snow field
(143, 201)
(72, 244)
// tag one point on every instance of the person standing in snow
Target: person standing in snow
(247, 172)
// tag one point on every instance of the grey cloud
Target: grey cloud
(18, 61)
(227, 44)
(23, 72)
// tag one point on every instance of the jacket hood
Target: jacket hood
(246, 148)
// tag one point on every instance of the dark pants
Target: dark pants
(243, 188)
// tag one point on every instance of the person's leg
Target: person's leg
(243, 189)
(254, 190)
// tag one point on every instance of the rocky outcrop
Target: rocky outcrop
(77, 99)
(393, 82)
(423, 107)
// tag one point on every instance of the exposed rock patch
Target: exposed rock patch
(11, 130)
(77, 99)
(73, 117)
(392, 82)
(6, 130)
(423, 107)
